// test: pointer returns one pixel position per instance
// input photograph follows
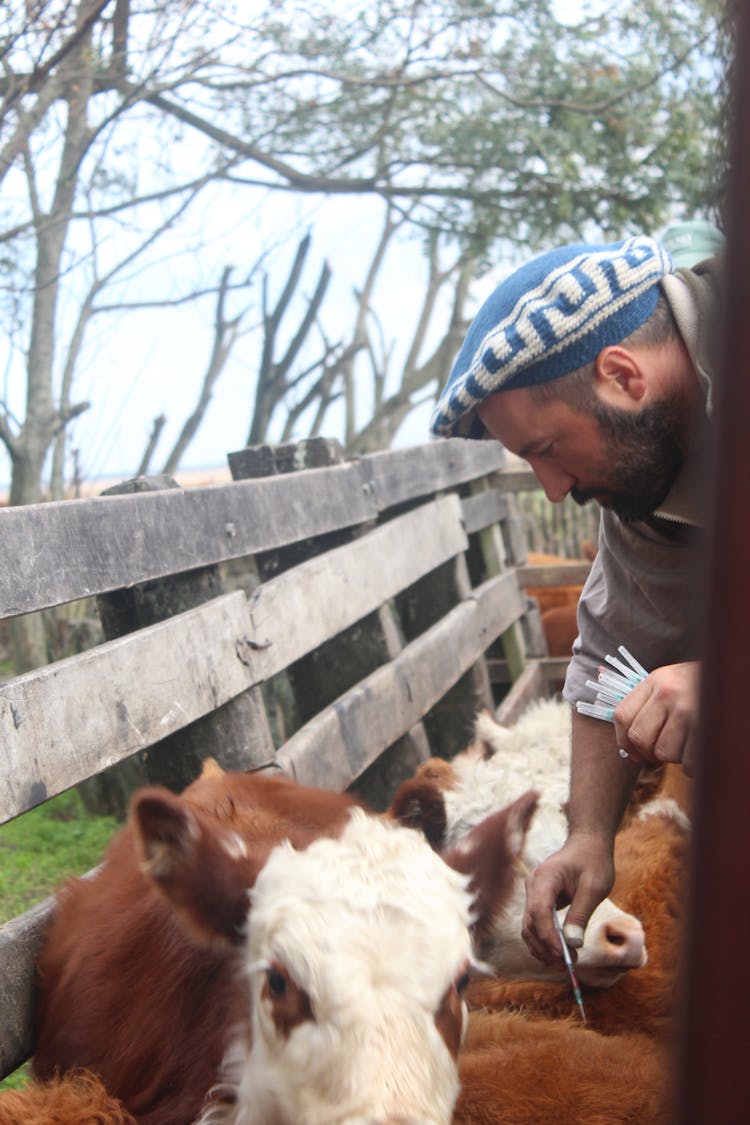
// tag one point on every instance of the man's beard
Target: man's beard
(644, 458)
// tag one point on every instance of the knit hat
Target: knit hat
(550, 317)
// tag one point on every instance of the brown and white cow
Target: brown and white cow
(355, 958)
(651, 863)
(329, 993)
(447, 799)
(345, 968)
(123, 987)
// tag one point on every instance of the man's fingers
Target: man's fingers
(639, 729)
(656, 721)
(573, 933)
(543, 888)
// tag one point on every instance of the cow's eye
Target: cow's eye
(276, 983)
(462, 983)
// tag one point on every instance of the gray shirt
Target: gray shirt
(643, 589)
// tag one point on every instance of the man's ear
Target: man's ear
(620, 377)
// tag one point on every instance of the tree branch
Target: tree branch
(31, 82)
(159, 423)
(225, 335)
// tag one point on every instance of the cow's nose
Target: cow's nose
(626, 942)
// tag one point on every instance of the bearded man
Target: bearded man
(595, 364)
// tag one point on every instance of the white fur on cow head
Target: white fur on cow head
(353, 956)
(533, 754)
(501, 765)
(356, 952)
(370, 932)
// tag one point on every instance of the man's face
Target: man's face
(626, 460)
(644, 458)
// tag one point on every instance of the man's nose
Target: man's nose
(555, 482)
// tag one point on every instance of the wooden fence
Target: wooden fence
(338, 621)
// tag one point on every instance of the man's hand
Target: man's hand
(581, 874)
(658, 720)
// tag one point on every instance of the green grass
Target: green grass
(17, 1079)
(39, 849)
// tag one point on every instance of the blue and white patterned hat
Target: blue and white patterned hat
(549, 318)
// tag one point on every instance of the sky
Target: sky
(167, 356)
(140, 365)
(137, 366)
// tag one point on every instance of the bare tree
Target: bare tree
(475, 120)
(226, 333)
(391, 378)
(273, 381)
(144, 465)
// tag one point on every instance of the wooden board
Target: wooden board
(483, 509)
(59, 552)
(301, 609)
(399, 475)
(552, 668)
(530, 685)
(554, 574)
(69, 720)
(19, 944)
(336, 746)
(512, 479)
(66, 721)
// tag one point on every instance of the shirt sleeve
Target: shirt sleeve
(642, 592)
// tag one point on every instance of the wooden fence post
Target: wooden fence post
(495, 557)
(317, 680)
(237, 734)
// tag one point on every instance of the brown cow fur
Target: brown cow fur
(524, 1071)
(77, 1099)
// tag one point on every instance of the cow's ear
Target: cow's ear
(202, 870)
(420, 804)
(490, 854)
(491, 735)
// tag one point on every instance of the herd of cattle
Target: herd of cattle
(558, 604)
(255, 952)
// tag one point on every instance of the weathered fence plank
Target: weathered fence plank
(529, 685)
(399, 475)
(338, 744)
(62, 723)
(554, 574)
(512, 479)
(307, 605)
(19, 944)
(483, 509)
(76, 548)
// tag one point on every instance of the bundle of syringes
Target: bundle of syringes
(611, 687)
